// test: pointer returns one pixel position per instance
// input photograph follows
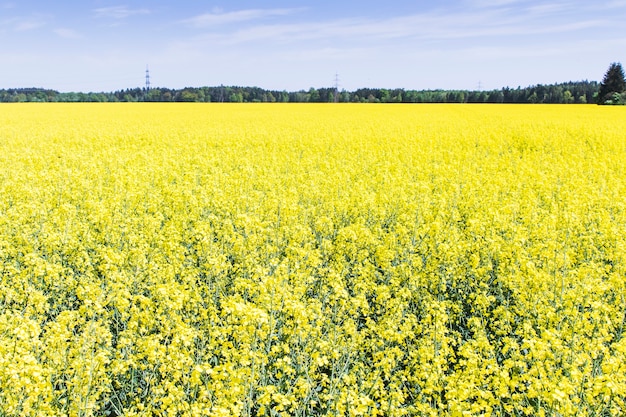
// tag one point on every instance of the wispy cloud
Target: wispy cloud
(432, 27)
(23, 24)
(222, 18)
(616, 4)
(493, 3)
(67, 33)
(27, 25)
(119, 12)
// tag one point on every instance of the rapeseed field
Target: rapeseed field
(312, 260)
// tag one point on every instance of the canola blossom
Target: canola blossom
(312, 260)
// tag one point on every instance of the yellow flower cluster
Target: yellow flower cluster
(312, 260)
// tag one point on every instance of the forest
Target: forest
(580, 92)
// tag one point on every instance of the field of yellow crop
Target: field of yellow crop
(312, 260)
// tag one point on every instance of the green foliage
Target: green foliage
(613, 85)
(571, 92)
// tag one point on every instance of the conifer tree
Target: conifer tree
(613, 85)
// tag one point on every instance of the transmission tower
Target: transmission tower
(336, 93)
(147, 78)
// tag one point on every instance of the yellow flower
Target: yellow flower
(227, 260)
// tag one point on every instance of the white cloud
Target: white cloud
(430, 27)
(493, 3)
(67, 33)
(223, 18)
(616, 4)
(300, 47)
(119, 12)
(546, 9)
(23, 24)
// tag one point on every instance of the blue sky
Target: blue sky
(105, 45)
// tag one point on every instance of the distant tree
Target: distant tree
(385, 95)
(314, 95)
(577, 92)
(236, 97)
(613, 82)
(188, 95)
(153, 95)
(568, 97)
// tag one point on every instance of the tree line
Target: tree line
(561, 93)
